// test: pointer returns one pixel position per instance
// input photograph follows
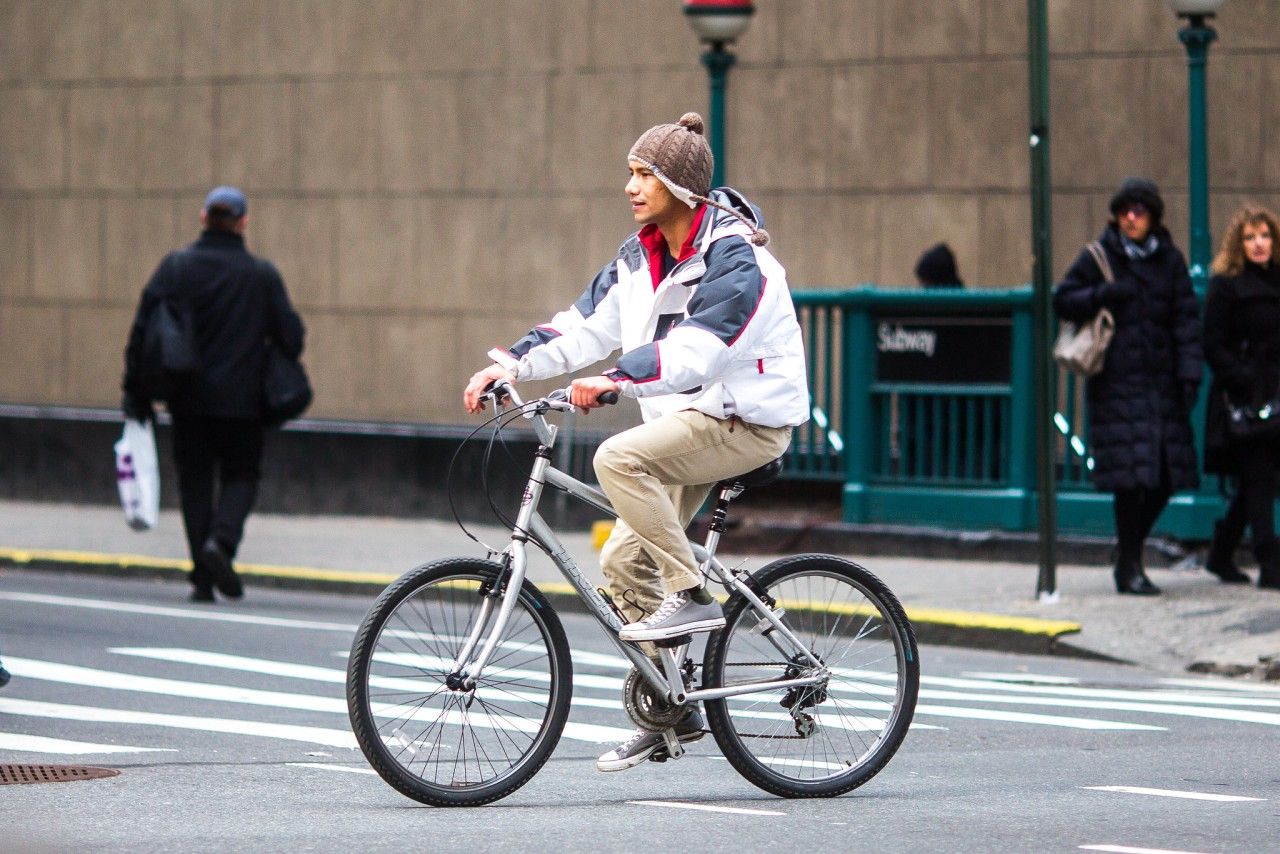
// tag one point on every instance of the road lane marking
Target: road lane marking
(1024, 678)
(348, 769)
(1172, 793)
(705, 808)
(288, 732)
(331, 675)
(116, 680)
(1151, 696)
(1222, 685)
(22, 743)
(181, 613)
(1156, 708)
(1128, 849)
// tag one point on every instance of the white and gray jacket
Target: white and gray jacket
(717, 334)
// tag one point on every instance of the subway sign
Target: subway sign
(946, 349)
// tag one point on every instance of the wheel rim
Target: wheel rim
(450, 739)
(846, 721)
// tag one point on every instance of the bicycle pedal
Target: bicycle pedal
(672, 744)
(673, 643)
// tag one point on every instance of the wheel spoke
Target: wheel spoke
(451, 746)
(833, 736)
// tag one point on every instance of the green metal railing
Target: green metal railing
(949, 454)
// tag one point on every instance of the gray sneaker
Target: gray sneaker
(677, 615)
(644, 744)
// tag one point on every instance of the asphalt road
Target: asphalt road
(1008, 752)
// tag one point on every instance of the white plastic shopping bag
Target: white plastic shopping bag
(138, 475)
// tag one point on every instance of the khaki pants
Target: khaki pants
(657, 475)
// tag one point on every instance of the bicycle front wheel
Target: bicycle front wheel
(820, 740)
(447, 746)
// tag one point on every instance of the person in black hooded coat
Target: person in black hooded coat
(1242, 346)
(1139, 405)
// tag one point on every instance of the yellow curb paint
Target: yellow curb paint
(104, 561)
(936, 616)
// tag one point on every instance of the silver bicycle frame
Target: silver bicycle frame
(529, 524)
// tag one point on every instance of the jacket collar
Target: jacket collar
(220, 239)
(655, 244)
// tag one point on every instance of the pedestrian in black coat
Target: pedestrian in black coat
(238, 305)
(1242, 346)
(1138, 406)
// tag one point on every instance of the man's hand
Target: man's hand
(585, 392)
(135, 409)
(479, 382)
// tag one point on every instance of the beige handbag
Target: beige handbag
(1081, 348)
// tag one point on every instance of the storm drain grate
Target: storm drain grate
(11, 774)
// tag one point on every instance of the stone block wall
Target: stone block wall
(434, 176)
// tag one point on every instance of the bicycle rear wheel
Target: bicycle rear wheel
(449, 747)
(826, 739)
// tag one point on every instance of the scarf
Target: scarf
(1140, 251)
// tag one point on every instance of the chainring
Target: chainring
(646, 708)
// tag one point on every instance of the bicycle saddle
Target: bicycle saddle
(756, 477)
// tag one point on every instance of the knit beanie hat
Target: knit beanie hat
(936, 268)
(678, 154)
(1141, 190)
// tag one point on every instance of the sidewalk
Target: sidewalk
(1196, 623)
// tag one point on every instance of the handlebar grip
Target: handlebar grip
(609, 398)
(492, 388)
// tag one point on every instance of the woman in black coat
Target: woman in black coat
(1139, 405)
(1242, 345)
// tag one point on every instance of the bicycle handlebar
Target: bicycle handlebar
(502, 389)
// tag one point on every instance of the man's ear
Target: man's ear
(204, 218)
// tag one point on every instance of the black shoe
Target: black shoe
(201, 594)
(218, 564)
(4, 676)
(1228, 574)
(1136, 585)
(1221, 559)
(1269, 582)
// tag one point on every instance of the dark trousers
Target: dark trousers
(219, 462)
(1136, 513)
(1253, 503)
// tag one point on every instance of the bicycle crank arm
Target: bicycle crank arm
(674, 750)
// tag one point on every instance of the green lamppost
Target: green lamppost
(1197, 36)
(717, 23)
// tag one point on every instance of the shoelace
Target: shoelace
(631, 742)
(668, 607)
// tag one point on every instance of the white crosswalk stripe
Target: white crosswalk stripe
(227, 708)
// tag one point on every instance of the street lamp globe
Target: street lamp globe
(718, 21)
(1195, 8)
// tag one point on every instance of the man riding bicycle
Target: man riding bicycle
(711, 348)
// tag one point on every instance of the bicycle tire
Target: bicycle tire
(400, 707)
(846, 616)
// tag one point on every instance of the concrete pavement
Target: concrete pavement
(1197, 624)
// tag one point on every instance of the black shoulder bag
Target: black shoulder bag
(286, 390)
(171, 357)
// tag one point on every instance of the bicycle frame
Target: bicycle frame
(529, 524)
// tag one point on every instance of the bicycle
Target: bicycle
(459, 679)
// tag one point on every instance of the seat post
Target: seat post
(718, 516)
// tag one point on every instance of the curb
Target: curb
(773, 536)
(1028, 635)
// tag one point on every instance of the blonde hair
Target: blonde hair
(1230, 258)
